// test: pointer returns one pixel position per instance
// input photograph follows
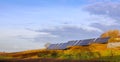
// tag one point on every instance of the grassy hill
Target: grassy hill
(92, 52)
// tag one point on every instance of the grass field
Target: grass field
(72, 54)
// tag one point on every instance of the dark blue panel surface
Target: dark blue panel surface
(56, 46)
(78, 43)
(102, 40)
(51, 46)
(71, 43)
(62, 46)
(86, 42)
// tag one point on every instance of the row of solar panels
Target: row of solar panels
(85, 42)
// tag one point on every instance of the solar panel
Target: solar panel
(76, 42)
(59, 46)
(51, 46)
(56, 46)
(86, 42)
(71, 43)
(102, 40)
(64, 46)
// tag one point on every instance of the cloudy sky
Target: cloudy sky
(29, 24)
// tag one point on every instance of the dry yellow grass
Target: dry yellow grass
(98, 47)
(92, 47)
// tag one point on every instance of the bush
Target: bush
(49, 54)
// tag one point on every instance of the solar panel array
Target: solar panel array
(85, 42)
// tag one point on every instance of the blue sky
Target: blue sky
(29, 24)
(44, 2)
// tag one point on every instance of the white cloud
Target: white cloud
(10, 41)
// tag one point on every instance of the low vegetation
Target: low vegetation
(76, 53)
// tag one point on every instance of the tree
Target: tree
(47, 44)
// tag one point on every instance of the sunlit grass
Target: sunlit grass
(4, 57)
(76, 53)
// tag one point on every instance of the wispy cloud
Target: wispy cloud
(66, 33)
(110, 9)
(106, 13)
